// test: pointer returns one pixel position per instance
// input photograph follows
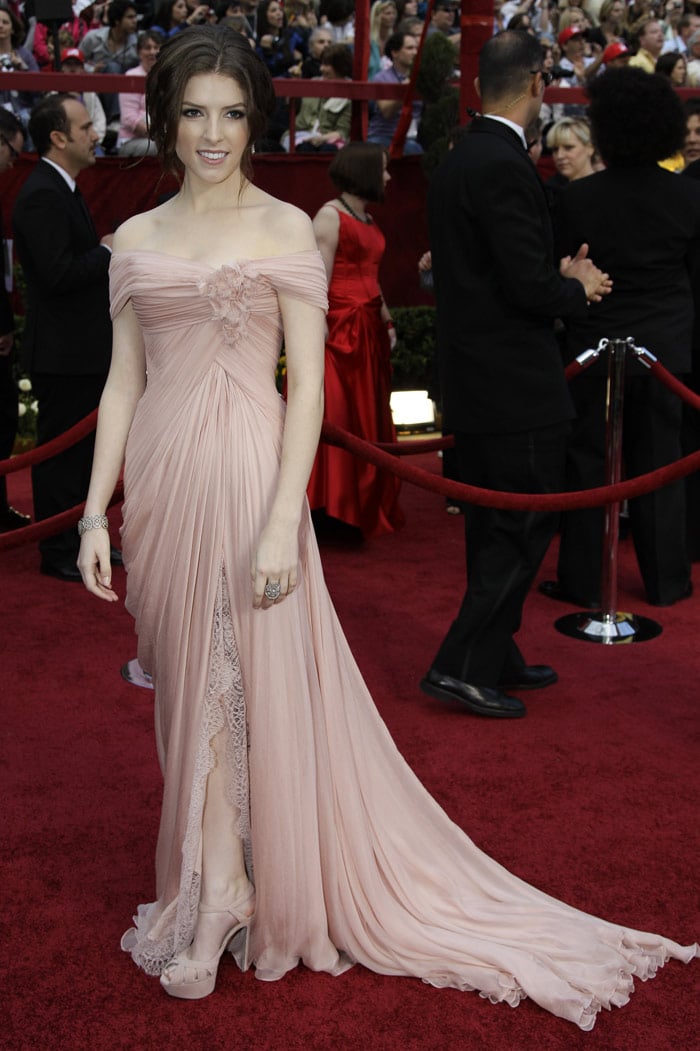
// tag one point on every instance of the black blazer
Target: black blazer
(68, 329)
(497, 288)
(643, 227)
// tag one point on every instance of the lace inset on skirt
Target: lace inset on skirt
(154, 941)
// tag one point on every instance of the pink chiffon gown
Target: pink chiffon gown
(352, 859)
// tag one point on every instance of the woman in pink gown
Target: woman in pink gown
(357, 382)
(291, 828)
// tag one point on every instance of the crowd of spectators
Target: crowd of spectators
(580, 39)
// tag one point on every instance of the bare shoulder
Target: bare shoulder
(140, 231)
(289, 226)
(326, 220)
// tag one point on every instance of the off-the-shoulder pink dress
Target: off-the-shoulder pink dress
(352, 859)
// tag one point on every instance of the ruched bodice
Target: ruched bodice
(352, 860)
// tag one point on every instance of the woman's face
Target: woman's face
(678, 73)
(275, 15)
(212, 132)
(328, 72)
(148, 53)
(578, 18)
(388, 16)
(178, 12)
(691, 148)
(617, 12)
(410, 9)
(548, 60)
(5, 26)
(572, 157)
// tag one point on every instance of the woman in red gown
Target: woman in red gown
(358, 346)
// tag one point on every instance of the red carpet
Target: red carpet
(592, 797)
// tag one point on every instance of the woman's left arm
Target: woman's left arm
(277, 553)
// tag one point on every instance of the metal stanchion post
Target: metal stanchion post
(607, 625)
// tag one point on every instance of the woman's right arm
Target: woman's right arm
(125, 385)
(326, 228)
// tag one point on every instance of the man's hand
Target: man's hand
(596, 283)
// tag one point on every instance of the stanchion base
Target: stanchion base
(616, 630)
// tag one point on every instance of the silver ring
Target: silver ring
(273, 590)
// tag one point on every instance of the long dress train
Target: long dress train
(352, 859)
(357, 387)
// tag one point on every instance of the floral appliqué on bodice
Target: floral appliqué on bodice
(229, 289)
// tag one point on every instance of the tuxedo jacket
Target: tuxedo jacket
(643, 227)
(497, 288)
(68, 329)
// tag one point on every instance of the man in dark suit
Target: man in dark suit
(643, 225)
(68, 337)
(11, 145)
(505, 397)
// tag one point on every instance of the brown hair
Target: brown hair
(358, 169)
(200, 50)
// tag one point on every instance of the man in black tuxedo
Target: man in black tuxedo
(643, 225)
(505, 397)
(68, 334)
(11, 145)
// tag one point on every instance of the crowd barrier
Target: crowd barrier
(388, 456)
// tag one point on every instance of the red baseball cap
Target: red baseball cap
(566, 34)
(615, 50)
(74, 53)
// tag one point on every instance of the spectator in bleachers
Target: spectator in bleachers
(112, 49)
(401, 49)
(616, 55)
(442, 20)
(383, 17)
(407, 9)
(574, 59)
(320, 38)
(678, 26)
(649, 35)
(339, 16)
(133, 131)
(323, 125)
(280, 46)
(694, 60)
(612, 25)
(15, 59)
(672, 64)
(72, 61)
(69, 35)
(172, 16)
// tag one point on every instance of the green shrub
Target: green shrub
(412, 357)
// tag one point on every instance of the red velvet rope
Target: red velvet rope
(43, 452)
(385, 455)
(50, 526)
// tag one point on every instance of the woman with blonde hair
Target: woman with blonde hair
(383, 17)
(572, 150)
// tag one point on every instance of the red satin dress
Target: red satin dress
(357, 387)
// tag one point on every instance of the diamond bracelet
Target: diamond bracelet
(92, 522)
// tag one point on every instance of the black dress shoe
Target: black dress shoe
(685, 593)
(115, 556)
(529, 677)
(553, 589)
(481, 700)
(61, 570)
(10, 518)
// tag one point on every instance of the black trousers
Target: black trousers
(651, 439)
(504, 549)
(8, 420)
(62, 481)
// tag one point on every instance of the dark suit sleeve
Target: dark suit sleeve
(7, 317)
(513, 215)
(44, 223)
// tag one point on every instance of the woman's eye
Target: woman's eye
(191, 112)
(236, 114)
